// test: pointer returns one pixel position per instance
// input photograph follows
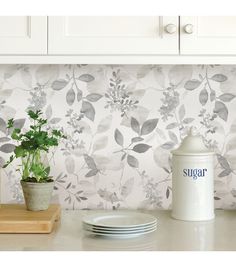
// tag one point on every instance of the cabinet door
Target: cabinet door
(113, 35)
(208, 35)
(23, 35)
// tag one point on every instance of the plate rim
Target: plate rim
(87, 219)
(121, 235)
(86, 226)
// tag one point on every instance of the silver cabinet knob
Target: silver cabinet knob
(188, 28)
(170, 28)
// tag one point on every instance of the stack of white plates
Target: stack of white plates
(120, 224)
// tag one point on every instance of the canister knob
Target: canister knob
(193, 131)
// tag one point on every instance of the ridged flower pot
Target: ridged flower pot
(37, 195)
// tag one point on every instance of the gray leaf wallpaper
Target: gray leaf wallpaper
(121, 122)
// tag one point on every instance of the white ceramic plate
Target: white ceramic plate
(119, 230)
(130, 229)
(121, 235)
(119, 219)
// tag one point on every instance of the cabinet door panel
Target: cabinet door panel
(112, 35)
(23, 35)
(210, 35)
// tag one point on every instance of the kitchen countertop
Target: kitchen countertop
(218, 234)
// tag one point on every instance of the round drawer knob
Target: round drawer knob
(170, 28)
(188, 28)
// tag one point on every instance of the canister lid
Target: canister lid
(193, 145)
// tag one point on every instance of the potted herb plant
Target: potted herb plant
(32, 147)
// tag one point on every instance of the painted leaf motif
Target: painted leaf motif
(119, 137)
(83, 198)
(70, 97)
(149, 126)
(168, 145)
(161, 133)
(167, 192)
(7, 112)
(143, 71)
(141, 148)
(2, 162)
(135, 125)
(91, 173)
(233, 192)
(126, 189)
(79, 95)
(221, 110)
(90, 162)
(19, 123)
(161, 157)
(224, 173)
(231, 144)
(132, 161)
(203, 97)
(137, 139)
(192, 84)
(55, 120)
(100, 143)
(188, 120)
(181, 112)
(46, 74)
(4, 139)
(108, 195)
(223, 161)
(10, 71)
(165, 169)
(233, 126)
(77, 198)
(86, 78)
(48, 112)
(7, 148)
(159, 76)
(212, 95)
(219, 78)
(93, 97)
(70, 164)
(172, 125)
(88, 110)
(69, 185)
(179, 74)
(226, 97)
(67, 199)
(104, 124)
(173, 137)
(3, 125)
(59, 84)
(123, 156)
(26, 77)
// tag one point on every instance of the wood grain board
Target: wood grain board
(14, 218)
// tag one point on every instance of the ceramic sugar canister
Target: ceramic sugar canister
(193, 180)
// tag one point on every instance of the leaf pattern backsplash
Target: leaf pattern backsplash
(121, 123)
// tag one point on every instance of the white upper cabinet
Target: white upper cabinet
(212, 35)
(117, 39)
(23, 35)
(108, 35)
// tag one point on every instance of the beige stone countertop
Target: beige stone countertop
(218, 234)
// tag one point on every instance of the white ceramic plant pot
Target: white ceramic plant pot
(193, 180)
(37, 195)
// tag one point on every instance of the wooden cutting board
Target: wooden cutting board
(14, 218)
